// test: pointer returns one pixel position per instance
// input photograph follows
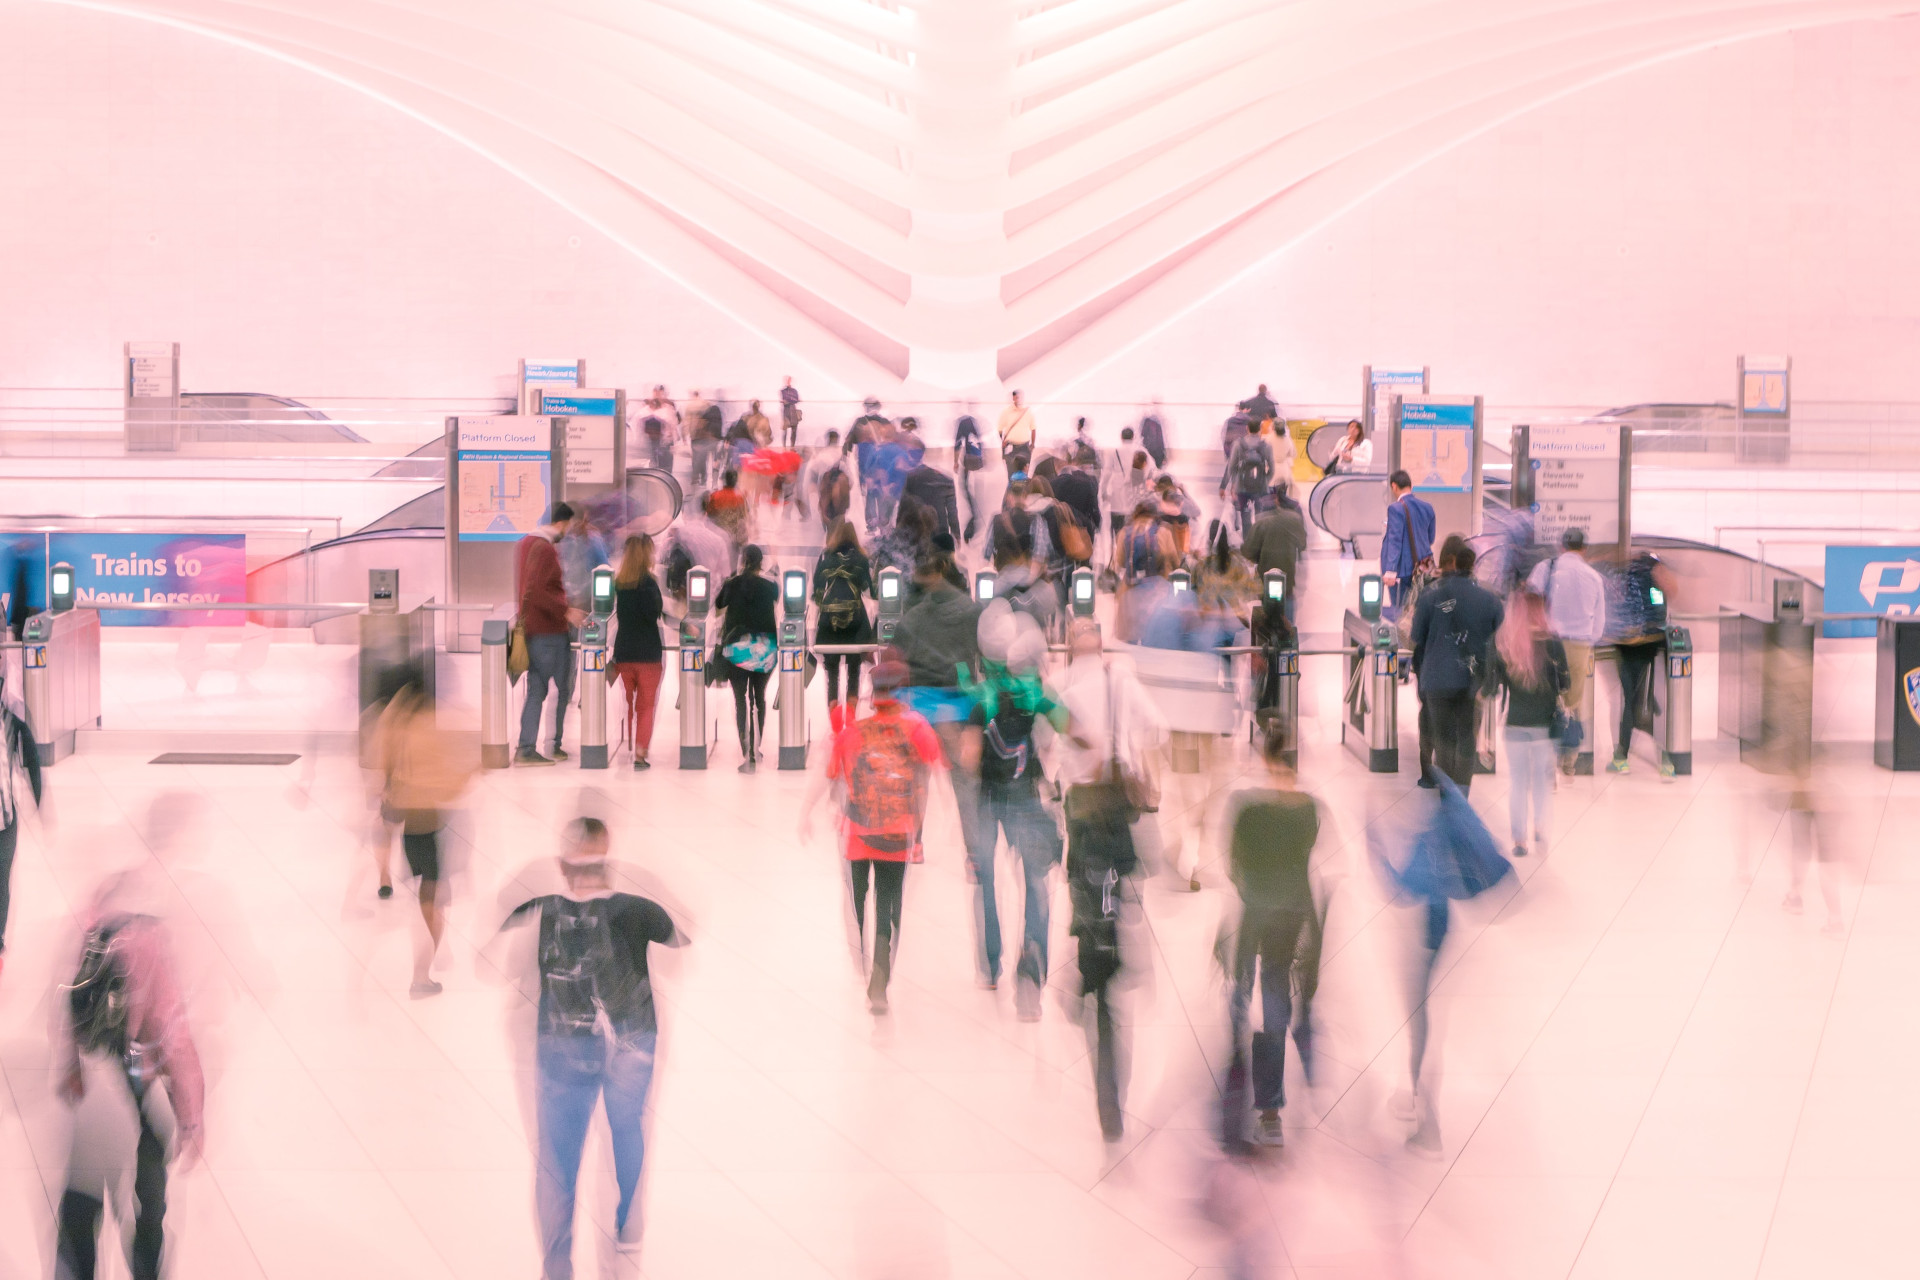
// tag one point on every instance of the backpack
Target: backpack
(654, 428)
(1140, 551)
(883, 785)
(971, 456)
(575, 947)
(97, 999)
(1252, 466)
(678, 562)
(840, 606)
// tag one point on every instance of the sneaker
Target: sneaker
(1519, 851)
(421, 990)
(1427, 784)
(877, 1003)
(1666, 771)
(748, 766)
(627, 1240)
(1193, 883)
(1425, 1142)
(641, 764)
(386, 891)
(1617, 766)
(1026, 1000)
(1403, 1105)
(527, 755)
(559, 753)
(1270, 1133)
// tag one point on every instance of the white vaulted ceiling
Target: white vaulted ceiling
(966, 191)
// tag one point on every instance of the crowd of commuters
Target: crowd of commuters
(1090, 770)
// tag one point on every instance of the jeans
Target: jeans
(576, 1072)
(966, 782)
(1636, 669)
(889, 883)
(703, 454)
(9, 838)
(1100, 856)
(1448, 719)
(1436, 918)
(1279, 948)
(1033, 835)
(1532, 752)
(641, 680)
(549, 661)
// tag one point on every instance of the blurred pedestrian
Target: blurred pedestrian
(425, 772)
(883, 762)
(1638, 629)
(1353, 453)
(596, 1029)
(1249, 475)
(969, 456)
(933, 489)
(842, 584)
(1103, 771)
(1576, 597)
(789, 414)
(748, 643)
(581, 550)
(1016, 580)
(1276, 942)
(128, 1066)
(1452, 858)
(659, 430)
(1530, 667)
(1009, 704)
(1453, 627)
(18, 755)
(1277, 541)
(547, 621)
(939, 641)
(637, 650)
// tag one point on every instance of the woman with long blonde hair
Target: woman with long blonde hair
(636, 642)
(1530, 666)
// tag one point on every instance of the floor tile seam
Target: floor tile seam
(1826, 1019)
(220, 1187)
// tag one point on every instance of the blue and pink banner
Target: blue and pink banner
(132, 568)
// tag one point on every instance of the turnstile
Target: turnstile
(593, 694)
(694, 747)
(1673, 713)
(60, 679)
(494, 636)
(792, 693)
(1370, 726)
(1896, 695)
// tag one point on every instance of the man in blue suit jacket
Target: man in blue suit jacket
(1409, 537)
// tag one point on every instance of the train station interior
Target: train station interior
(962, 459)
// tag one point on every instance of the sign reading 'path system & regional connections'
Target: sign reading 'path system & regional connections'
(506, 477)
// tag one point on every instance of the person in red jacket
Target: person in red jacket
(548, 623)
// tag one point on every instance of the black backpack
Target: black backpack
(97, 998)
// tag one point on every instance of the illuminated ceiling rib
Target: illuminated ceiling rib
(962, 191)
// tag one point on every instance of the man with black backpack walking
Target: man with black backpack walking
(884, 762)
(1250, 474)
(597, 1030)
(129, 1065)
(1453, 627)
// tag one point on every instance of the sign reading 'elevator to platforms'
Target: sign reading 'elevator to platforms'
(1576, 479)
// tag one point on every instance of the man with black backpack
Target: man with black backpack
(597, 1030)
(127, 1055)
(1250, 474)
(884, 762)
(1453, 626)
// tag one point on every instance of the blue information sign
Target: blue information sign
(1436, 445)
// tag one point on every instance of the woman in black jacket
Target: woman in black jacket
(748, 641)
(636, 642)
(1531, 666)
(842, 581)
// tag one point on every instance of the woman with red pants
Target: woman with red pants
(636, 641)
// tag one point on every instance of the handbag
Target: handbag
(517, 658)
(1074, 543)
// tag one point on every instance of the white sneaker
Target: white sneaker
(628, 1240)
(1270, 1133)
(1403, 1104)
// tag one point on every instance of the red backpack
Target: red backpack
(884, 784)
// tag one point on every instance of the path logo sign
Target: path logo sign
(1882, 580)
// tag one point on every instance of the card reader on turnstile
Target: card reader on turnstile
(985, 583)
(1081, 584)
(792, 692)
(693, 670)
(593, 669)
(60, 588)
(892, 603)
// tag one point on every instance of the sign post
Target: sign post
(1379, 384)
(499, 488)
(589, 449)
(1764, 409)
(152, 381)
(1436, 440)
(1575, 475)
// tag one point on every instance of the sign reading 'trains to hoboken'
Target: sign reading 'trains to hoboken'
(1576, 479)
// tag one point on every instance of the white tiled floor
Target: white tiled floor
(1645, 1067)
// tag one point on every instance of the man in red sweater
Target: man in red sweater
(548, 623)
